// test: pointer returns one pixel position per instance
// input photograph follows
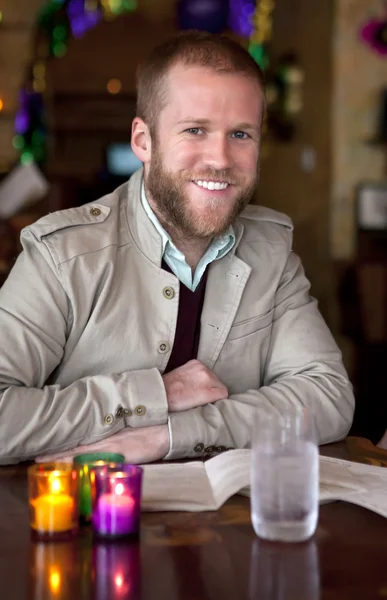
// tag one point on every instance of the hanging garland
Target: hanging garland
(254, 21)
(58, 21)
(61, 20)
(262, 32)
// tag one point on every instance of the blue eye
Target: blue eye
(194, 130)
(240, 135)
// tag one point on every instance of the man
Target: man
(156, 321)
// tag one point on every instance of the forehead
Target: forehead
(203, 93)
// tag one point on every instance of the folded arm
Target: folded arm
(36, 418)
(303, 368)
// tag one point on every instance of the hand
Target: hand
(140, 445)
(192, 385)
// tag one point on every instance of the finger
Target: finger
(54, 458)
(219, 393)
(66, 456)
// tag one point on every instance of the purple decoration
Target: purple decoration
(374, 34)
(205, 15)
(31, 108)
(240, 17)
(81, 20)
(22, 121)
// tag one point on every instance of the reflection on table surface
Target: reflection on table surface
(85, 568)
(280, 571)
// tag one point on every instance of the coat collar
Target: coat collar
(143, 231)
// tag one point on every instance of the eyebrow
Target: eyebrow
(242, 126)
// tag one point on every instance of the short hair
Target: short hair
(198, 48)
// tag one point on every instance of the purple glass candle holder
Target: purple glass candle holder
(116, 500)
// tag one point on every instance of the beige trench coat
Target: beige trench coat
(87, 329)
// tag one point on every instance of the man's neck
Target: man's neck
(192, 247)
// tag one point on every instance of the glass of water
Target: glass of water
(284, 476)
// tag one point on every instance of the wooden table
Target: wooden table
(201, 556)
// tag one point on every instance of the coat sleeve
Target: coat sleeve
(36, 418)
(303, 369)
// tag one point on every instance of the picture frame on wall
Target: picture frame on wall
(371, 206)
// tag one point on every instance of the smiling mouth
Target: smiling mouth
(212, 185)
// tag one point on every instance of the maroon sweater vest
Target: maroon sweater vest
(187, 336)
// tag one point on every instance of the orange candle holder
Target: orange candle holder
(53, 500)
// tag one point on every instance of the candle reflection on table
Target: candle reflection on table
(54, 570)
(284, 571)
(116, 571)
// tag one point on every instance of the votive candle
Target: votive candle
(83, 463)
(116, 498)
(52, 499)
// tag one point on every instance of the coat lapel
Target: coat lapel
(226, 281)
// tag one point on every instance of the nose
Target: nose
(217, 153)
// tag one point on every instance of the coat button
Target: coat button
(109, 419)
(199, 448)
(169, 293)
(127, 412)
(210, 449)
(119, 412)
(140, 410)
(95, 211)
(163, 347)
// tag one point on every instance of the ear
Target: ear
(141, 140)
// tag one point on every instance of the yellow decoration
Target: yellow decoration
(263, 22)
(91, 5)
(1, 105)
(108, 13)
(39, 86)
(39, 70)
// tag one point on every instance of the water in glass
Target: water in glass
(284, 488)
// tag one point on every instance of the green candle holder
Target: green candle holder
(83, 463)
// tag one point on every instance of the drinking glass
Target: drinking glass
(284, 476)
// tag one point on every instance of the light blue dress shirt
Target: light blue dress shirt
(175, 259)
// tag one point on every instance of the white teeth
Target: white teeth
(212, 185)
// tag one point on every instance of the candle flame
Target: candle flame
(55, 485)
(119, 581)
(119, 489)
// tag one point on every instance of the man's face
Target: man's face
(204, 161)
